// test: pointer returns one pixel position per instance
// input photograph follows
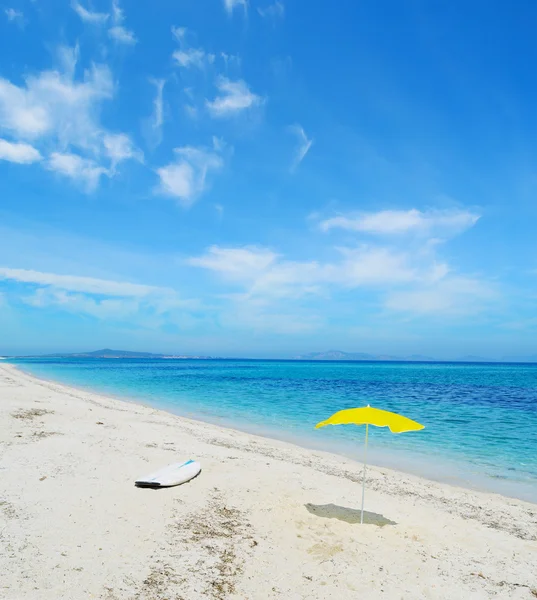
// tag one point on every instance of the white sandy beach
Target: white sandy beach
(264, 520)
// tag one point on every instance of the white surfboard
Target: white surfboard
(171, 475)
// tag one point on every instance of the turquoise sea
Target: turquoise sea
(480, 419)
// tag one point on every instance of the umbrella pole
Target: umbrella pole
(363, 476)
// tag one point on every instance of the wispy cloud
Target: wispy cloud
(14, 15)
(231, 5)
(267, 285)
(122, 35)
(186, 177)
(152, 126)
(304, 144)
(265, 273)
(103, 299)
(158, 104)
(186, 56)
(191, 57)
(395, 222)
(98, 307)
(18, 152)
(74, 283)
(118, 32)
(406, 278)
(179, 33)
(119, 147)
(274, 11)
(237, 264)
(234, 97)
(230, 60)
(83, 171)
(146, 312)
(86, 15)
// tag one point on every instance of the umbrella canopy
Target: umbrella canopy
(371, 416)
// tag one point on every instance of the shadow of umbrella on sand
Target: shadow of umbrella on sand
(348, 515)
(371, 416)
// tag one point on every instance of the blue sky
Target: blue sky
(268, 178)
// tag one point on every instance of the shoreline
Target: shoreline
(458, 473)
(260, 436)
(264, 520)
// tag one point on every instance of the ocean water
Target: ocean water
(480, 419)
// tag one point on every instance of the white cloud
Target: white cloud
(237, 264)
(119, 147)
(177, 179)
(179, 33)
(75, 283)
(94, 18)
(18, 152)
(60, 114)
(185, 178)
(83, 171)
(265, 273)
(230, 5)
(148, 306)
(151, 311)
(304, 144)
(152, 126)
(117, 12)
(158, 104)
(14, 15)
(276, 10)
(52, 104)
(21, 113)
(390, 222)
(230, 60)
(368, 265)
(406, 275)
(404, 282)
(187, 57)
(234, 97)
(219, 144)
(100, 308)
(190, 107)
(122, 35)
(192, 57)
(118, 32)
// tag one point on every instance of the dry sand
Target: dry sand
(264, 520)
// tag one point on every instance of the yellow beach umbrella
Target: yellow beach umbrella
(371, 416)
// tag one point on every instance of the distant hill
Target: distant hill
(339, 355)
(328, 355)
(469, 358)
(108, 353)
